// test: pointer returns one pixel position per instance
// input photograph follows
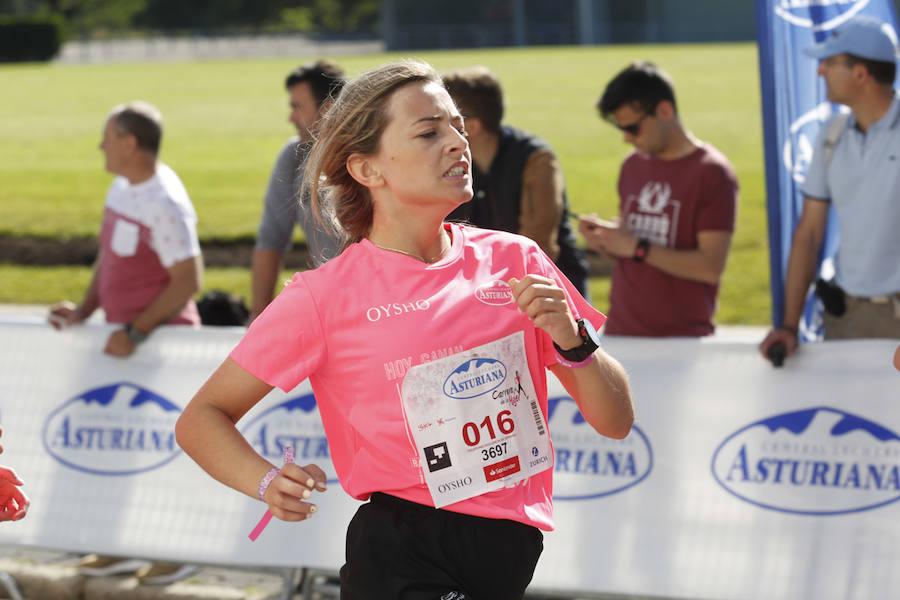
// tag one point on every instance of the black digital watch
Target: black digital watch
(590, 341)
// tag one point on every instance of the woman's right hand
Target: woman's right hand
(288, 494)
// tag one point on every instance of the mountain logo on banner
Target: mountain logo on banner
(836, 12)
(588, 465)
(118, 429)
(817, 461)
(294, 422)
(474, 377)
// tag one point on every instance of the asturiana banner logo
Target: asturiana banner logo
(828, 13)
(589, 465)
(117, 429)
(474, 377)
(294, 422)
(817, 461)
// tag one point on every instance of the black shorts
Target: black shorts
(401, 550)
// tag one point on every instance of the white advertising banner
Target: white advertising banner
(738, 480)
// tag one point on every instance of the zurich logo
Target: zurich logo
(818, 461)
(295, 422)
(495, 293)
(474, 377)
(118, 429)
(829, 13)
(588, 465)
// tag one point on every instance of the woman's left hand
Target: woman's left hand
(544, 302)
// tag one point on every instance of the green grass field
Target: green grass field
(226, 121)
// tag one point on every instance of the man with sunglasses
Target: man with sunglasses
(677, 203)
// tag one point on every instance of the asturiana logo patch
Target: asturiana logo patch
(817, 461)
(495, 293)
(118, 429)
(830, 13)
(294, 422)
(474, 377)
(589, 465)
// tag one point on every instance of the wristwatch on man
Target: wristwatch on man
(135, 336)
(579, 355)
(641, 250)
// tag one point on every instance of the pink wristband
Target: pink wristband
(288, 453)
(573, 365)
(264, 483)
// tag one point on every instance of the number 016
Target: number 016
(472, 433)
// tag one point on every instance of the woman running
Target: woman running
(412, 339)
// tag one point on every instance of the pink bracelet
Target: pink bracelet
(573, 365)
(261, 492)
(288, 453)
(265, 481)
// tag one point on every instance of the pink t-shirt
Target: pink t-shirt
(147, 228)
(357, 324)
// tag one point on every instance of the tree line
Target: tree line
(97, 17)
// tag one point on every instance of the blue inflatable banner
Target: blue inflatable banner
(794, 109)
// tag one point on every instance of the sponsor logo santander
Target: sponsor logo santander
(495, 293)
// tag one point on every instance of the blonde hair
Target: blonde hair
(354, 125)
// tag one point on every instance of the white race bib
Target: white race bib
(476, 421)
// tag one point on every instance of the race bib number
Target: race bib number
(476, 421)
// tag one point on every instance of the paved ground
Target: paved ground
(47, 575)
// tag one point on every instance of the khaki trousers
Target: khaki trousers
(866, 318)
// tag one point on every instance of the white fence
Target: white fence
(211, 47)
(738, 481)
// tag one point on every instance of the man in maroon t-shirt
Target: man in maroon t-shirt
(677, 204)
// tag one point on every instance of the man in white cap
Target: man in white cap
(855, 167)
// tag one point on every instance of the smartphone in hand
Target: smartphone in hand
(593, 222)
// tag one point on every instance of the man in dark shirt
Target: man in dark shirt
(519, 185)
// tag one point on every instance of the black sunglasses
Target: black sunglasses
(631, 128)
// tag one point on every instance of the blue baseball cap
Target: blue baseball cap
(860, 36)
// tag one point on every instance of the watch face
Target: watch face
(592, 334)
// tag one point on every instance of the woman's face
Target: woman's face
(423, 154)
